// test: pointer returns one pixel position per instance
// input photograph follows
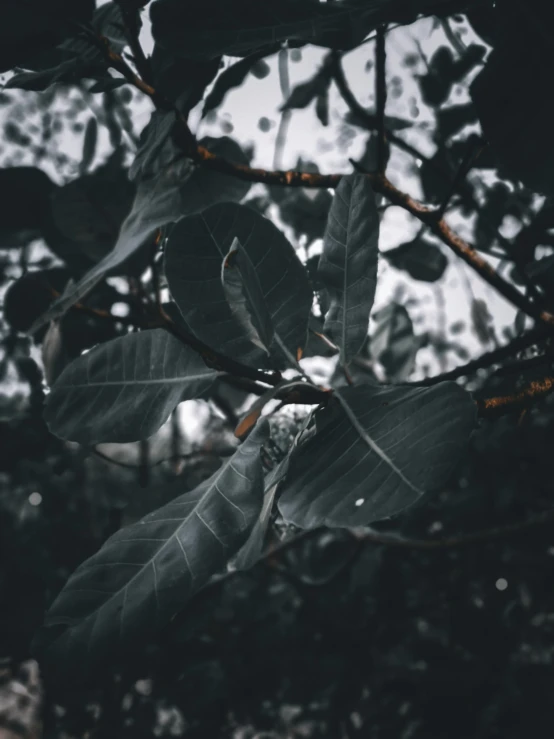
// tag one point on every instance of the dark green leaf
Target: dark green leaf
(348, 265)
(125, 389)
(193, 256)
(145, 573)
(108, 83)
(244, 294)
(420, 258)
(376, 452)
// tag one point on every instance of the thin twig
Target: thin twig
(381, 98)
(470, 155)
(486, 360)
(286, 114)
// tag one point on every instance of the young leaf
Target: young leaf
(125, 389)
(245, 297)
(147, 572)
(376, 451)
(348, 265)
(193, 255)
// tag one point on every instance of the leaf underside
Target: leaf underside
(148, 571)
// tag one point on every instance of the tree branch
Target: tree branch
(486, 360)
(534, 391)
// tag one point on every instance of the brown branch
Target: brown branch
(380, 183)
(381, 98)
(533, 392)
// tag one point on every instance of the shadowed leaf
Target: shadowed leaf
(147, 572)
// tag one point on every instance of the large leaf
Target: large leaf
(175, 190)
(193, 257)
(348, 265)
(375, 453)
(217, 27)
(125, 389)
(145, 573)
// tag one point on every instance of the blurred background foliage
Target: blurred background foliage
(336, 639)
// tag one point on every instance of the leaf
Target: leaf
(125, 389)
(89, 144)
(481, 319)
(218, 27)
(76, 58)
(232, 77)
(88, 212)
(193, 255)
(303, 94)
(420, 258)
(26, 195)
(376, 451)
(245, 297)
(180, 79)
(176, 190)
(348, 265)
(145, 573)
(35, 26)
(393, 343)
(519, 70)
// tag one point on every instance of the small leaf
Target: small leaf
(125, 389)
(145, 573)
(193, 255)
(393, 343)
(89, 144)
(233, 77)
(245, 296)
(375, 453)
(348, 265)
(421, 259)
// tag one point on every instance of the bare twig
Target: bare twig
(490, 358)
(286, 114)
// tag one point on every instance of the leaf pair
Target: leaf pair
(239, 285)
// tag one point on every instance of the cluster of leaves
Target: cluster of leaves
(244, 310)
